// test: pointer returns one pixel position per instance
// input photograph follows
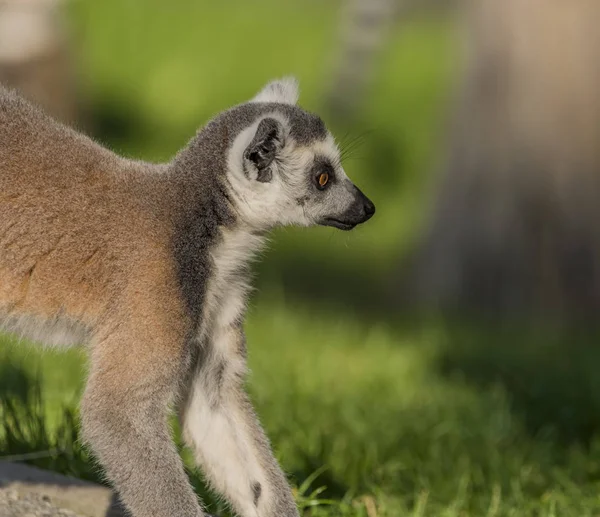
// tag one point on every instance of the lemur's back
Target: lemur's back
(35, 149)
(67, 213)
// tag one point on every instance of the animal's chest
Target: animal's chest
(228, 285)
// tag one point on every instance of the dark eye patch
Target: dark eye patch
(322, 166)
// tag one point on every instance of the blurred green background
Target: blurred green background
(373, 409)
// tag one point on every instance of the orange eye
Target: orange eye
(323, 179)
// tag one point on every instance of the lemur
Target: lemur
(146, 264)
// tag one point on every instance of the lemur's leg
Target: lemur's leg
(229, 443)
(133, 378)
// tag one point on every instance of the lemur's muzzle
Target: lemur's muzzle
(361, 210)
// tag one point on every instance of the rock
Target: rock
(13, 504)
(31, 492)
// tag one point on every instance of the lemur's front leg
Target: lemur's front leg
(134, 375)
(228, 441)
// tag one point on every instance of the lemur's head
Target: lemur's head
(283, 166)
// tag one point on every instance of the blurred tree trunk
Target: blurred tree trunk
(517, 220)
(35, 56)
(364, 27)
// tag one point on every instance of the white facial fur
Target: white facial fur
(275, 203)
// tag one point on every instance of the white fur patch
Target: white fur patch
(284, 91)
(261, 205)
(228, 287)
(214, 425)
(327, 148)
(224, 446)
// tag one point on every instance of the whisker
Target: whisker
(349, 145)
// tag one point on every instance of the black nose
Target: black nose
(367, 205)
(369, 208)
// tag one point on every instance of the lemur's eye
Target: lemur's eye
(323, 179)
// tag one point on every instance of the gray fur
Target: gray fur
(256, 490)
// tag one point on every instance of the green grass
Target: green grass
(372, 412)
(429, 419)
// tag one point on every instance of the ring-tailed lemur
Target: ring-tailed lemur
(147, 265)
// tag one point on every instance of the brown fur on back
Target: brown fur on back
(74, 217)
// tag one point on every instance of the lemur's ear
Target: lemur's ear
(263, 149)
(283, 91)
